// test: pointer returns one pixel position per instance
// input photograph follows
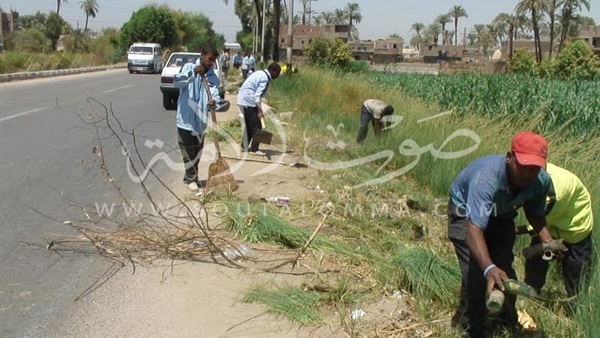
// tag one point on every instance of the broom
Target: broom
(219, 176)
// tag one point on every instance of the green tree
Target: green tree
(195, 30)
(37, 21)
(354, 15)
(569, 8)
(552, 18)
(432, 33)
(55, 27)
(456, 13)
(443, 19)
(523, 63)
(150, 23)
(329, 53)
(577, 60)
(416, 40)
(90, 8)
(512, 21)
(536, 8)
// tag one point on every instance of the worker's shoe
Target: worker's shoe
(258, 153)
(193, 186)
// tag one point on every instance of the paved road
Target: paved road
(46, 168)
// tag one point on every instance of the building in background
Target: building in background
(8, 21)
(303, 35)
(591, 34)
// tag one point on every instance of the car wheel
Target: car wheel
(131, 72)
(167, 101)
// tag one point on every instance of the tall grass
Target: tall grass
(12, 62)
(321, 98)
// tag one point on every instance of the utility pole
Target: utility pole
(290, 35)
(262, 38)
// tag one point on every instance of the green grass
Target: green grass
(12, 62)
(288, 301)
(385, 243)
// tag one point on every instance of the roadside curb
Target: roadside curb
(58, 72)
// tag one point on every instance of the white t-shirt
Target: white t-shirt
(376, 107)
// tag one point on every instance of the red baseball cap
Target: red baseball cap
(530, 149)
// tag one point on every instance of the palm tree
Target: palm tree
(353, 13)
(443, 19)
(58, 2)
(326, 17)
(513, 22)
(416, 39)
(432, 32)
(568, 9)
(457, 12)
(90, 8)
(551, 14)
(339, 16)
(537, 9)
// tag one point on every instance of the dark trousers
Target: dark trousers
(575, 266)
(191, 149)
(245, 73)
(500, 239)
(252, 126)
(365, 118)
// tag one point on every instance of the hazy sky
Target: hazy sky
(380, 17)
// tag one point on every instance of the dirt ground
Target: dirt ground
(204, 299)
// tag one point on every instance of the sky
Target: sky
(380, 17)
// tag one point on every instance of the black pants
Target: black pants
(500, 239)
(245, 73)
(191, 149)
(252, 126)
(575, 266)
(365, 118)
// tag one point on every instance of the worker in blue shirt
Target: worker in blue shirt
(192, 110)
(249, 101)
(484, 199)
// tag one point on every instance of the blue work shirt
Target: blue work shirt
(192, 104)
(482, 191)
(253, 89)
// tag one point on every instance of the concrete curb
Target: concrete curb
(58, 72)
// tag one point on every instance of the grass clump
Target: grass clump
(291, 302)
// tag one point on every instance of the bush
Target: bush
(578, 61)
(523, 63)
(29, 40)
(334, 53)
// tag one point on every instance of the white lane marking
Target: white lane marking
(22, 114)
(115, 89)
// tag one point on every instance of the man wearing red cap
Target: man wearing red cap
(484, 200)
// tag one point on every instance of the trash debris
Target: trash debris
(198, 244)
(356, 314)
(281, 201)
(254, 198)
(526, 321)
(241, 251)
(397, 294)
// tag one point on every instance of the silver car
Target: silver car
(173, 66)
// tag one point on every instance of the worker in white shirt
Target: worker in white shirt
(372, 110)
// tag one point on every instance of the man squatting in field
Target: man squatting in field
(481, 211)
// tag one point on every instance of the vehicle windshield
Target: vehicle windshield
(140, 50)
(178, 60)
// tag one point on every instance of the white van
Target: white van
(145, 57)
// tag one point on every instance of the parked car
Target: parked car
(144, 57)
(172, 67)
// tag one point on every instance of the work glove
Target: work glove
(554, 246)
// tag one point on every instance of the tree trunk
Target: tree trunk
(58, 6)
(87, 18)
(566, 21)
(536, 36)
(276, 21)
(349, 28)
(510, 42)
(552, 10)
(455, 31)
